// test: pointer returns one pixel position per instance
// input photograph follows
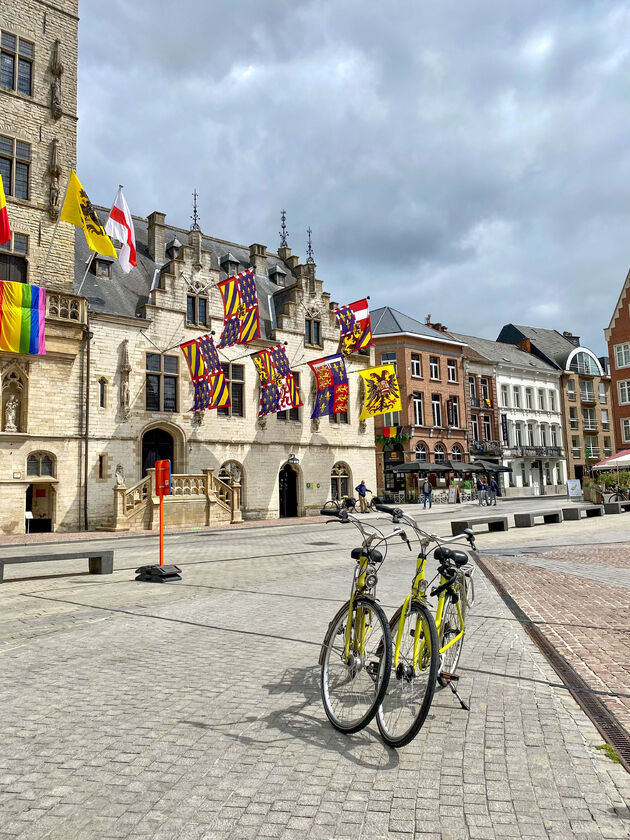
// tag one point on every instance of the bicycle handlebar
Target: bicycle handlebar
(398, 515)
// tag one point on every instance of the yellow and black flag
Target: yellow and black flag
(77, 209)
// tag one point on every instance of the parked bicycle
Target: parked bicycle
(356, 653)
(426, 650)
(619, 494)
(345, 502)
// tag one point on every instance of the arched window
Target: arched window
(456, 453)
(584, 363)
(439, 452)
(232, 472)
(339, 480)
(421, 452)
(40, 463)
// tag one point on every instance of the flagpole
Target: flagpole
(54, 233)
(87, 268)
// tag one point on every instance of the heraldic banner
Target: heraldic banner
(382, 393)
(211, 388)
(278, 390)
(332, 385)
(355, 326)
(240, 304)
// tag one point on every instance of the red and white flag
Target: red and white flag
(120, 226)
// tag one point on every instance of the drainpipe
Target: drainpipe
(88, 338)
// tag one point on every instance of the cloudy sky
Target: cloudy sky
(465, 159)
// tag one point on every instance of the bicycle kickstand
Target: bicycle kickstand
(452, 680)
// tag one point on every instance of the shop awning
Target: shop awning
(618, 461)
(489, 466)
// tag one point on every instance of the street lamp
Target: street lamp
(292, 459)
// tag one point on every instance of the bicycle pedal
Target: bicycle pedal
(452, 678)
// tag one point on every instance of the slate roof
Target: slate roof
(126, 294)
(509, 354)
(551, 345)
(388, 321)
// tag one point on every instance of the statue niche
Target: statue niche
(13, 402)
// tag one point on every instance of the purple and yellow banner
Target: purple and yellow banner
(22, 318)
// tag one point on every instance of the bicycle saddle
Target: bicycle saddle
(460, 558)
(373, 554)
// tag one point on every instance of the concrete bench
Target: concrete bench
(526, 520)
(494, 523)
(616, 507)
(99, 562)
(575, 512)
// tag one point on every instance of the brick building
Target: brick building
(42, 443)
(430, 370)
(585, 392)
(618, 337)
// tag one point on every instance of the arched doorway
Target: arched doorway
(157, 445)
(288, 491)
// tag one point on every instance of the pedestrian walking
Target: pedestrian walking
(482, 489)
(362, 490)
(427, 489)
(493, 489)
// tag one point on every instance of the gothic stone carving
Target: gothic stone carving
(54, 173)
(125, 370)
(56, 69)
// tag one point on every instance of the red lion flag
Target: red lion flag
(355, 326)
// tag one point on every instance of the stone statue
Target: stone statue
(124, 393)
(10, 414)
(120, 475)
(55, 98)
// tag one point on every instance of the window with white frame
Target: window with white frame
(554, 436)
(541, 399)
(434, 367)
(389, 359)
(421, 452)
(451, 366)
(530, 434)
(607, 447)
(624, 392)
(625, 430)
(529, 398)
(518, 434)
(571, 389)
(472, 387)
(485, 389)
(436, 406)
(574, 423)
(602, 392)
(588, 418)
(418, 409)
(487, 428)
(622, 355)
(605, 420)
(505, 399)
(392, 418)
(552, 400)
(456, 453)
(474, 422)
(416, 365)
(543, 435)
(586, 391)
(439, 453)
(516, 394)
(454, 406)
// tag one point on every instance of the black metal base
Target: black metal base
(158, 574)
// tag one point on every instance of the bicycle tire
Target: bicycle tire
(331, 504)
(450, 627)
(336, 697)
(409, 695)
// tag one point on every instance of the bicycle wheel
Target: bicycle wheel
(411, 685)
(449, 629)
(331, 505)
(353, 688)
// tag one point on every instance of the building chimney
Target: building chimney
(258, 258)
(155, 236)
(574, 339)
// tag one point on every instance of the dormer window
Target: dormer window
(103, 266)
(278, 275)
(230, 264)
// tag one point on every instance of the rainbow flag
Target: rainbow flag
(22, 318)
(5, 229)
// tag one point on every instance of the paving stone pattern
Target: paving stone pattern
(580, 599)
(192, 711)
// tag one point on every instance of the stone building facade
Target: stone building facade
(430, 372)
(585, 392)
(618, 337)
(42, 420)
(141, 393)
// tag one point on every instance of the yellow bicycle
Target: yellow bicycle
(356, 653)
(426, 650)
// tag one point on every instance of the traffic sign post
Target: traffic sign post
(161, 573)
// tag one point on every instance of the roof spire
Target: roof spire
(283, 232)
(309, 249)
(195, 215)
